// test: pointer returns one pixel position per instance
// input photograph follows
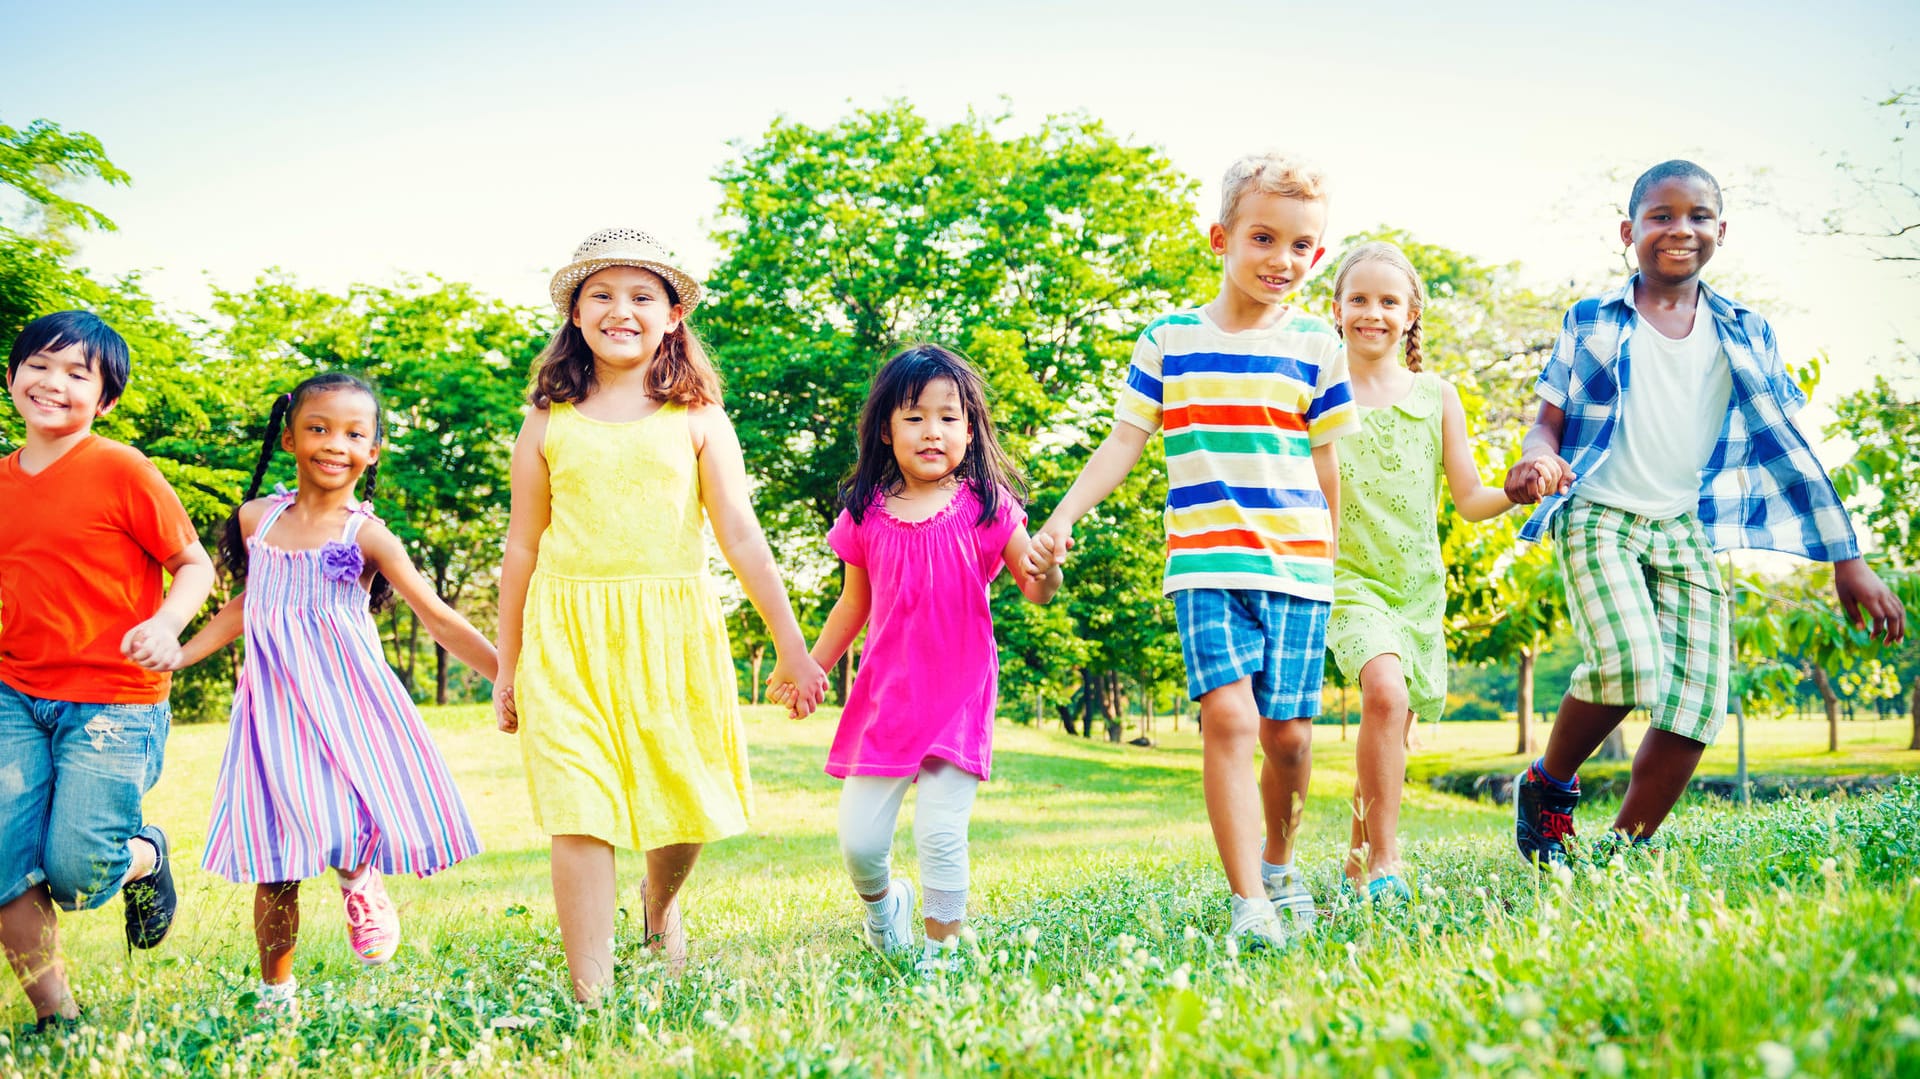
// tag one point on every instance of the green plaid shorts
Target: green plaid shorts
(1651, 612)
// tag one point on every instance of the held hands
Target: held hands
(506, 713)
(1048, 551)
(154, 644)
(799, 685)
(1869, 603)
(1538, 476)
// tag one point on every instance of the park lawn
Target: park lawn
(1098, 909)
(1784, 747)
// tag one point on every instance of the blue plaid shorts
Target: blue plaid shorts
(1278, 638)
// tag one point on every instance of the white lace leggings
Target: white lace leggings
(869, 808)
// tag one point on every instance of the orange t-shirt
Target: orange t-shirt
(83, 546)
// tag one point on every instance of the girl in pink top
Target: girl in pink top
(930, 517)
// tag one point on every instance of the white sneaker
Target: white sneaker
(938, 957)
(897, 934)
(1292, 903)
(1257, 930)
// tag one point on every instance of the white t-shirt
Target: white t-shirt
(1668, 419)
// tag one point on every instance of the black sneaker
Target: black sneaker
(55, 1024)
(1543, 817)
(151, 899)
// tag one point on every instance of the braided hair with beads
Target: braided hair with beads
(233, 547)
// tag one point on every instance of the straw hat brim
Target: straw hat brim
(571, 275)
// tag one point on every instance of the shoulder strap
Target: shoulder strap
(280, 503)
(361, 514)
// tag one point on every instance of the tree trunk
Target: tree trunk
(1615, 747)
(843, 677)
(1914, 742)
(1524, 701)
(439, 674)
(755, 656)
(1821, 683)
(413, 650)
(1066, 717)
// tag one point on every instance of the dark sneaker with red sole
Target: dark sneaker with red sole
(1543, 817)
(151, 900)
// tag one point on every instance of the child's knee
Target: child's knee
(868, 859)
(1287, 742)
(82, 876)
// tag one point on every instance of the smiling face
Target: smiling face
(930, 435)
(1375, 305)
(58, 392)
(1675, 230)
(334, 436)
(1273, 242)
(624, 312)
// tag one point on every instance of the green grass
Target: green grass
(1782, 939)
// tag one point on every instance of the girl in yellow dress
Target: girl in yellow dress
(614, 663)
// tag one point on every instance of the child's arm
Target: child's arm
(219, 632)
(155, 643)
(849, 613)
(1475, 500)
(723, 493)
(1037, 587)
(1541, 470)
(1326, 468)
(1104, 471)
(446, 626)
(526, 524)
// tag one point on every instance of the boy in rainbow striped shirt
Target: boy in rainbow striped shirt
(1251, 393)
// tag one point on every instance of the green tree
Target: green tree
(36, 219)
(1041, 254)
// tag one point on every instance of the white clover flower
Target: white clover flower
(1775, 1059)
(1610, 1060)
(1032, 935)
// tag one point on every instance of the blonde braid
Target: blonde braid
(1413, 344)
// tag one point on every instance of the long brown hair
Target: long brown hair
(898, 384)
(679, 372)
(1382, 251)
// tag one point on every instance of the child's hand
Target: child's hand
(788, 695)
(1538, 476)
(154, 644)
(506, 713)
(808, 684)
(1869, 603)
(1048, 550)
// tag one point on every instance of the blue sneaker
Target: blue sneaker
(1543, 817)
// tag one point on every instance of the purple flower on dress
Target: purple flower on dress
(341, 561)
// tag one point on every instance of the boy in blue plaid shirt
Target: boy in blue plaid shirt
(1663, 436)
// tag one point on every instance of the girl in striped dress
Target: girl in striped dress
(328, 764)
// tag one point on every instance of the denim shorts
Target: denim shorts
(1278, 638)
(71, 779)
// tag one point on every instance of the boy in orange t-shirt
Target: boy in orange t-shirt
(87, 630)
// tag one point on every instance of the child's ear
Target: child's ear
(286, 434)
(1626, 232)
(373, 455)
(1217, 238)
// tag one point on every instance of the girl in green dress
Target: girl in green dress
(1389, 584)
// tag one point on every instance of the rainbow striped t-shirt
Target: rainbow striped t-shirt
(1242, 413)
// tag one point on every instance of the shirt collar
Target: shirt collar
(1723, 308)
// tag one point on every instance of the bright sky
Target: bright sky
(480, 141)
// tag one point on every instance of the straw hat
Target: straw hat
(620, 247)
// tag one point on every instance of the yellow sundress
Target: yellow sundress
(629, 713)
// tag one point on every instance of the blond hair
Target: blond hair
(1381, 251)
(1270, 173)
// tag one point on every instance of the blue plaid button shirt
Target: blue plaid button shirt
(1762, 486)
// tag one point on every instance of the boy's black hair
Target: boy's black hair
(233, 549)
(1667, 170)
(898, 384)
(104, 348)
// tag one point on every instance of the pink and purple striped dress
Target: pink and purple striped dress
(328, 762)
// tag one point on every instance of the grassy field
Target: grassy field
(1778, 941)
